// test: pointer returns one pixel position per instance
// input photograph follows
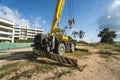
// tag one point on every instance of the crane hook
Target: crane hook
(71, 22)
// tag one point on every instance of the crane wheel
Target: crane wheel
(72, 48)
(47, 49)
(61, 49)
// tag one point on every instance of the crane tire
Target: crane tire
(72, 48)
(61, 49)
(47, 49)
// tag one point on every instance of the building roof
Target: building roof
(6, 21)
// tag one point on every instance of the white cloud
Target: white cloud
(114, 5)
(112, 17)
(13, 15)
(38, 22)
(108, 17)
(44, 22)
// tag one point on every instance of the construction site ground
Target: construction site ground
(18, 64)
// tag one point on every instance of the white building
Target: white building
(25, 33)
(6, 30)
(9, 32)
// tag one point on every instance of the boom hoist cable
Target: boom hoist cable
(71, 14)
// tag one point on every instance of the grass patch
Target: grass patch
(7, 69)
(116, 57)
(17, 66)
(59, 74)
(105, 55)
(27, 74)
(5, 55)
(104, 46)
(117, 49)
(82, 44)
(110, 56)
(78, 54)
(38, 67)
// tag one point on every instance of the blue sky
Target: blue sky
(39, 13)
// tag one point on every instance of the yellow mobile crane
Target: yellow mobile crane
(56, 41)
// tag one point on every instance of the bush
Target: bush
(83, 42)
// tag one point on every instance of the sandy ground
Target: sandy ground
(96, 68)
(15, 58)
(15, 50)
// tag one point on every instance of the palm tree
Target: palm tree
(65, 27)
(75, 34)
(81, 34)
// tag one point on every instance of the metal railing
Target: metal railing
(6, 46)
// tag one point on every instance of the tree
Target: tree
(75, 34)
(81, 34)
(107, 36)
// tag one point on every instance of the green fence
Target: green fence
(6, 46)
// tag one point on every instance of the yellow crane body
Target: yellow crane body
(57, 32)
(55, 42)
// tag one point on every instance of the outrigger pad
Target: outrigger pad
(57, 57)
